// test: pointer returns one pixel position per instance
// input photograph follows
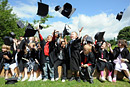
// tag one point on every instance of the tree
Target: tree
(124, 34)
(43, 20)
(112, 41)
(8, 21)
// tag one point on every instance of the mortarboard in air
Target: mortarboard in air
(65, 32)
(40, 27)
(11, 80)
(99, 36)
(42, 9)
(12, 34)
(29, 27)
(8, 40)
(67, 10)
(89, 39)
(119, 16)
(20, 24)
(29, 32)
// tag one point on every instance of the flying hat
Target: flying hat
(8, 40)
(119, 15)
(65, 31)
(42, 9)
(40, 27)
(99, 36)
(12, 34)
(29, 32)
(67, 10)
(89, 39)
(20, 24)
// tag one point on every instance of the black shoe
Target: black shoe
(72, 78)
(91, 81)
(84, 80)
(78, 79)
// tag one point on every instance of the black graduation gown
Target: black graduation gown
(57, 52)
(74, 54)
(101, 64)
(90, 60)
(51, 52)
(124, 54)
(1, 61)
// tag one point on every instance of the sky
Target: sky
(94, 15)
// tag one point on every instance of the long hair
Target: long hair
(123, 42)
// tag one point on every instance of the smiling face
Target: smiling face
(122, 43)
(104, 45)
(73, 35)
(49, 38)
(4, 48)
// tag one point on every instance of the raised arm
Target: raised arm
(80, 32)
(111, 50)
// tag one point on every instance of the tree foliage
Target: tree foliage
(112, 41)
(43, 20)
(124, 34)
(8, 21)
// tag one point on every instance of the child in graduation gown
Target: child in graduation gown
(39, 56)
(33, 63)
(121, 59)
(87, 63)
(48, 55)
(7, 57)
(103, 62)
(74, 47)
(61, 53)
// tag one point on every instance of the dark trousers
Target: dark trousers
(60, 63)
(86, 73)
(22, 64)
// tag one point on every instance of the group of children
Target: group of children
(81, 56)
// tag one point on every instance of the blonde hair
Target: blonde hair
(6, 47)
(32, 44)
(75, 33)
(88, 47)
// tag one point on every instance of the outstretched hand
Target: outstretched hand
(80, 30)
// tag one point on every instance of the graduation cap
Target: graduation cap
(8, 40)
(11, 80)
(119, 15)
(20, 24)
(40, 27)
(66, 10)
(99, 36)
(12, 34)
(89, 39)
(29, 31)
(42, 9)
(65, 32)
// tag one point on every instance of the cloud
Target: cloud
(23, 10)
(93, 24)
(29, 10)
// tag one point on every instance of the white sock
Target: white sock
(35, 75)
(129, 77)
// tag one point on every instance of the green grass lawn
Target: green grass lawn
(48, 83)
